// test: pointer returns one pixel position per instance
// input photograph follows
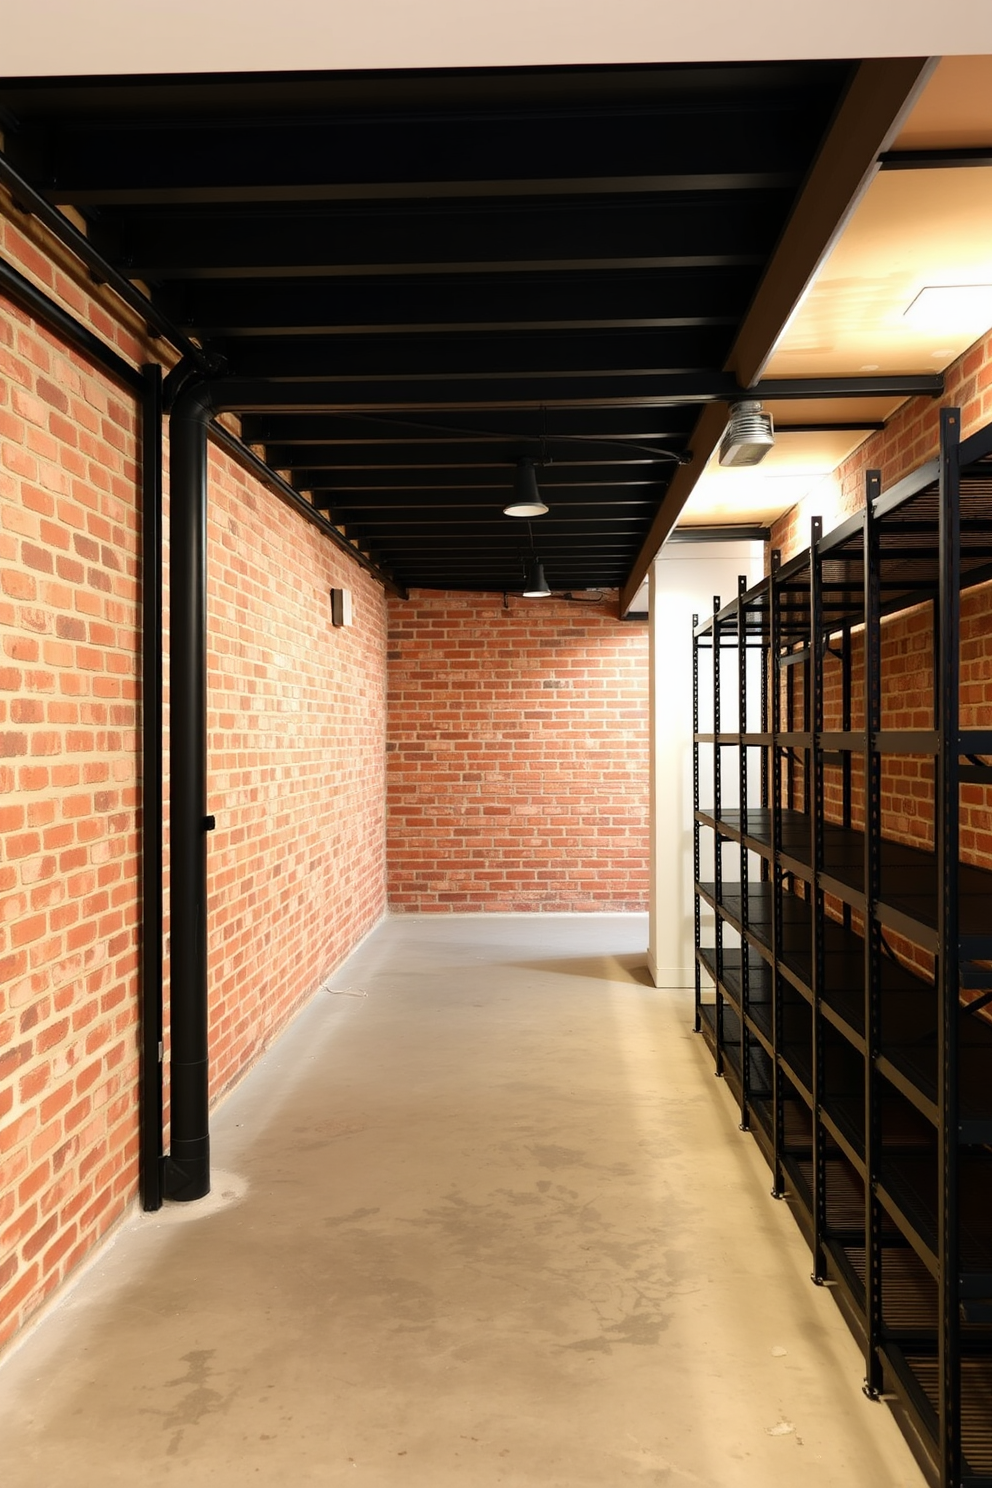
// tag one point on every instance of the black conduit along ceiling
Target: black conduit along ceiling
(423, 278)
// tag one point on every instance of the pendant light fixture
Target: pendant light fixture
(536, 585)
(527, 500)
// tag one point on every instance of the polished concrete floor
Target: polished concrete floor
(481, 1217)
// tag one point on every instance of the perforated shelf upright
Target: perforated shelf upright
(843, 978)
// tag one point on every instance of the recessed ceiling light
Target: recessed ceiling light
(962, 308)
(942, 352)
(869, 367)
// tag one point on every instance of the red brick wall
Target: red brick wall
(518, 755)
(68, 795)
(911, 437)
(296, 777)
(296, 764)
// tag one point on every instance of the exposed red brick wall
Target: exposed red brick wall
(518, 763)
(68, 797)
(296, 776)
(296, 764)
(909, 439)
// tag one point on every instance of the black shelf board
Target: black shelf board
(908, 874)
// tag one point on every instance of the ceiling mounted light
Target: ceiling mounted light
(963, 309)
(536, 585)
(527, 500)
(749, 435)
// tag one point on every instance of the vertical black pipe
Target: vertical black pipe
(151, 788)
(187, 1168)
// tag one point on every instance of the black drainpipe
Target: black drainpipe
(187, 1167)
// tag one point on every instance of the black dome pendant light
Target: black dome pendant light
(527, 500)
(535, 585)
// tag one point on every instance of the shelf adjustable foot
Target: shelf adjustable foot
(870, 1391)
(744, 1126)
(817, 1280)
(777, 1193)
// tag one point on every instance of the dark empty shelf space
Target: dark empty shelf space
(910, 1298)
(908, 1184)
(796, 1050)
(909, 1057)
(843, 1187)
(976, 1402)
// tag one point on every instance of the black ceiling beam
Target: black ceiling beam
(387, 461)
(624, 480)
(948, 159)
(464, 303)
(496, 237)
(461, 430)
(878, 97)
(282, 153)
(276, 192)
(879, 93)
(417, 358)
(434, 399)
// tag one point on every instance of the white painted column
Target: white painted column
(683, 581)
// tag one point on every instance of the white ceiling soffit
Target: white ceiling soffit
(912, 229)
(792, 470)
(51, 37)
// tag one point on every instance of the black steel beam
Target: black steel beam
(646, 390)
(506, 237)
(292, 146)
(389, 459)
(948, 159)
(742, 532)
(27, 199)
(387, 433)
(419, 358)
(647, 475)
(465, 302)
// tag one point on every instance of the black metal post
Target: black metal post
(745, 983)
(847, 757)
(187, 1168)
(775, 803)
(697, 920)
(717, 839)
(948, 939)
(813, 793)
(151, 789)
(873, 935)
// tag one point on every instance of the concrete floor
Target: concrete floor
(491, 1223)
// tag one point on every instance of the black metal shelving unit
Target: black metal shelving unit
(843, 977)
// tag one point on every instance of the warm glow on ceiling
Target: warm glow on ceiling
(798, 465)
(954, 110)
(913, 229)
